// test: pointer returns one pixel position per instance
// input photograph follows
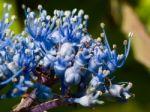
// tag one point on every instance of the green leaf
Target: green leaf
(16, 25)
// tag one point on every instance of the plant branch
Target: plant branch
(26, 102)
(48, 105)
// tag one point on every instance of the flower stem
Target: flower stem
(26, 102)
(48, 105)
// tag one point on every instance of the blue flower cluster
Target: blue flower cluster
(59, 47)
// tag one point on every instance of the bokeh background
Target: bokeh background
(120, 17)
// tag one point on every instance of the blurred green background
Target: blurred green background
(109, 12)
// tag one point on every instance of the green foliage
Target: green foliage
(143, 11)
(16, 26)
(99, 11)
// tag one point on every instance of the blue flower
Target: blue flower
(59, 46)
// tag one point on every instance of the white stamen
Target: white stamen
(21, 78)
(81, 12)
(27, 51)
(23, 33)
(45, 111)
(48, 17)
(31, 14)
(130, 34)
(39, 19)
(107, 72)
(8, 31)
(13, 17)
(15, 90)
(86, 17)
(40, 7)
(84, 22)
(2, 75)
(125, 42)
(35, 21)
(44, 13)
(114, 46)
(58, 12)
(29, 83)
(81, 26)
(6, 21)
(35, 78)
(28, 9)
(6, 15)
(5, 5)
(64, 19)
(12, 66)
(102, 34)
(99, 39)
(58, 22)
(104, 71)
(74, 19)
(129, 86)
(67, 13)
(102, 25)
(12, 33)
(41, 62)
(55, 12)
(25, 21)
(120, 57)
(54, 18)
(14, 80)
(9, 6)
(43, 24)
(74, 11)
(23, 6)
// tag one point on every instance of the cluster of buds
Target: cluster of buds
(59, 49)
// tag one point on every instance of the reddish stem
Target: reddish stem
(48, 105)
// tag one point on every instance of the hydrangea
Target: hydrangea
(58, 48)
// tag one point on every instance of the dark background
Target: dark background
(99, 11)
